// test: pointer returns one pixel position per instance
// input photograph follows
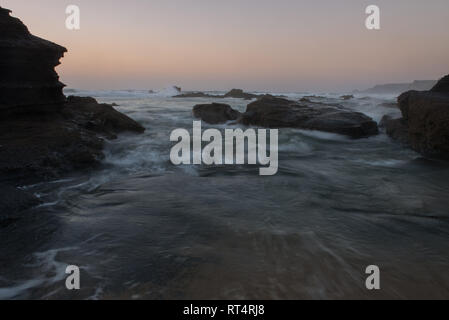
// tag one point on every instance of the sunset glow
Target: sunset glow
(256, 45)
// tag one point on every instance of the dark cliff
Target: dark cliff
(43, 134)
(27, 68)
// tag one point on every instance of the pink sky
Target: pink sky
(252, 44)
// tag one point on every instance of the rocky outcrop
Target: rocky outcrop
(240, 94)
(215, 113)
(197, 94)
(425, 120)
(234, 93)
(395, 128)
(41, 146)
(100, 118)
(28, 79)
(276, 112)
(43, 134)
(273, 112)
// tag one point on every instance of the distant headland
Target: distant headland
(419, 85)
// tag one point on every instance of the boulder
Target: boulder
(396, 128)
(101, 118)
(215, 113)
(426, 116)
(274, 112)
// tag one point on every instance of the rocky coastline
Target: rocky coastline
(43, 133)
(274, 112)
(234, 93)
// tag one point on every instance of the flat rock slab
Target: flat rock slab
(47, 145)
(274, 112)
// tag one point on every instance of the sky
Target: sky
(264, 45)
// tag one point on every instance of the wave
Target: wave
(166, 92)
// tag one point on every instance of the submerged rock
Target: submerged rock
(426, 118)
(28, 79)
(196, 94)
(234, 93)
(395, 128)
(215, 113)
(276, 112)
(240, 94)
(392, 105)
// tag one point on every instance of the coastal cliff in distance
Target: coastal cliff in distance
(27, 67)
(392, 88)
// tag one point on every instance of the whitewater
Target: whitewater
(140, 227)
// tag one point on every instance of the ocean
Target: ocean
(141, 228)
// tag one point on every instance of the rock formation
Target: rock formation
(425, 120)
(234, 93)
(392, 88)
(197, 94)
(51, 144)
(274, 112)
(240, 94)
(396, 128)
(27, 68)
(215, 113)
(43, 134)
